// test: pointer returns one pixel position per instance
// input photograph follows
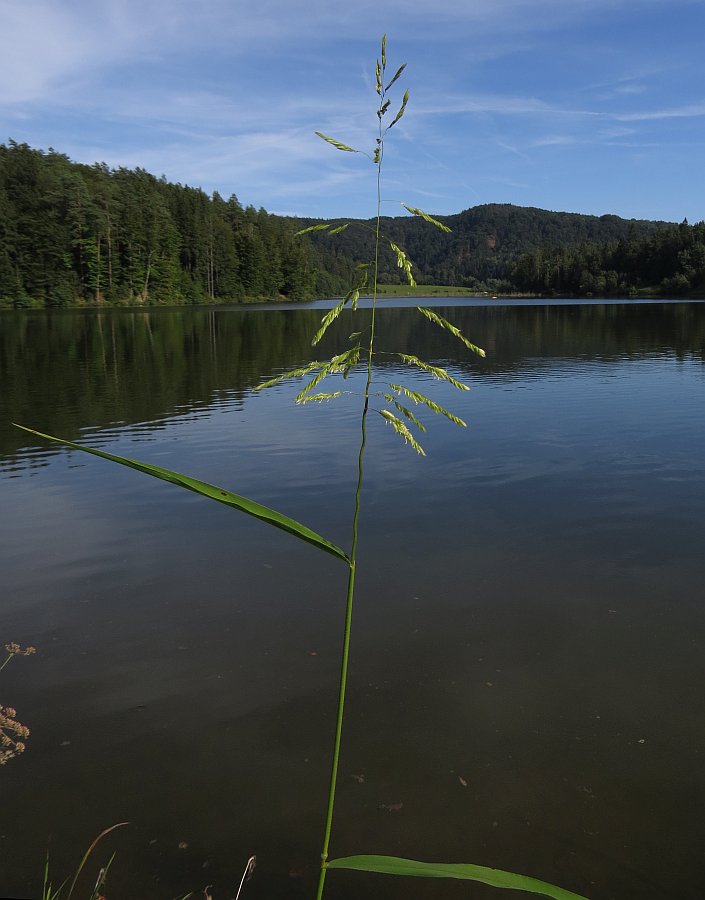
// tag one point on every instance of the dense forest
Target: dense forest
(73, 234)
(670, 262)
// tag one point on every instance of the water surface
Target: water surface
(528, 656)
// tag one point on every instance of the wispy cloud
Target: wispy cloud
(692, 110)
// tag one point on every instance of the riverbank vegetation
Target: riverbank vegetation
(79, 235)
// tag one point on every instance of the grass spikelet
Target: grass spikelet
(327, 320)
(292, 373)
(448, 326)
(405, 411)
(337, 144)
(402, 430)
(403, 262)
(343, 362)
(397, 74)
(402, 109)
(418, 398)
(436, 371)
(425, 216)
(319, 398)
(311, 228)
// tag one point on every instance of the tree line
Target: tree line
(72, 233)
(670, 262)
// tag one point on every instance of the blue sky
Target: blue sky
(594, 106)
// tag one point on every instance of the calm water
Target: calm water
(529, 645)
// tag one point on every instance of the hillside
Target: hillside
(485, 244)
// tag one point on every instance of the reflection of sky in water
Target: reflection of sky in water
(528, 621)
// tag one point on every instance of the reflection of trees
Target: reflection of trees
(62, 372)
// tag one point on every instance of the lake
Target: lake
(528, 656)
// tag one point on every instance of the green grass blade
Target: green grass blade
(448, 326)
(393, 865)
(251, 507)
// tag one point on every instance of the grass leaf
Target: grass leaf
(250, 507)
(436, 371)
(448, 326)
(425, 216)
(336, 144)
(393, 865)
(402, 430)
(339, 228)
(112, 827)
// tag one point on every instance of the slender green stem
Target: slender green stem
(353, 548)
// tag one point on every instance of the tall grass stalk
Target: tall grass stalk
(395, 413)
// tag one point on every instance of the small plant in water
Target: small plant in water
(392, 402)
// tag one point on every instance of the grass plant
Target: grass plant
(393, 403)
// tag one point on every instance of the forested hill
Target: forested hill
(78, 234)
(71, 233)
(484, 245)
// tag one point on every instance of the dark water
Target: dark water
(528, 663)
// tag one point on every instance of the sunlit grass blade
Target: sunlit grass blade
(436, 371)
(402, 430)
(250, 507)
(425, 216)
(393, 865)
(416, 397)
(405, 411)
(338, 229)
(448, 326)
(403, 262)
(336, 144)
